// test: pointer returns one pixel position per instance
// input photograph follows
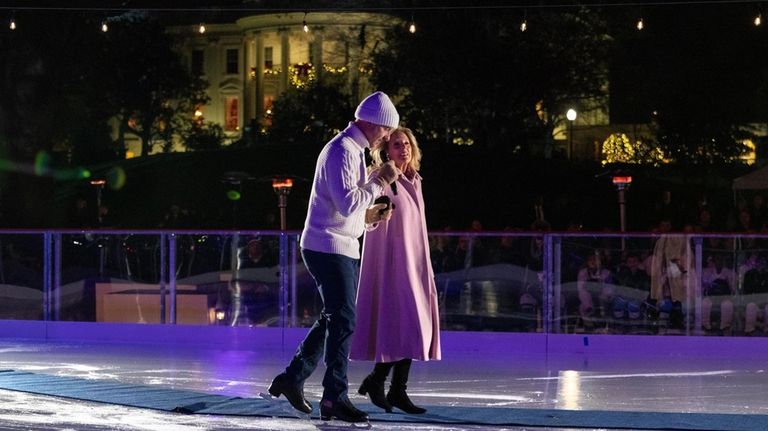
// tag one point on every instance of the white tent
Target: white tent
(756, 180)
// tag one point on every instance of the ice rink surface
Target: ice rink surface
(712, 384)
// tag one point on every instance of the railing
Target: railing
(693, 284)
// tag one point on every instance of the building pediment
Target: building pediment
(230, 85)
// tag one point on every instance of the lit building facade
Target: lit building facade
(250, 62)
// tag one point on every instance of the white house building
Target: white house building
(250, 62)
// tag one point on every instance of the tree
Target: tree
(148, 88)
(697, 78)
(200, 137)
(618, 148)
(47, 105)
(471, 76)
(310, 115)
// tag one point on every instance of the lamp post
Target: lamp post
(282, 187)
(622, 183)
(571, 116)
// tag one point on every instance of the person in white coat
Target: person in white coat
(340, 205)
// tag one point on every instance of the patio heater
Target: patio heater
(98, 184)
(622, 183)
(282, 187)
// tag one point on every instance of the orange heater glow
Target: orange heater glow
(280, 184)
(622, 180)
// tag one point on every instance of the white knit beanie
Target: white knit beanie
(378, 109)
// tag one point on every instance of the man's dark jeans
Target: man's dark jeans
(336, 277)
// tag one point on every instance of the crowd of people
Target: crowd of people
(643, 283)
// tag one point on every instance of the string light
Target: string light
(640, 25)
(524, 24)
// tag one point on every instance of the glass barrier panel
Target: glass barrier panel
(734, 285)
(602, 287)
(228, 279)
(488, 282)
(309, 303)
(606, 283)
(21, 276)
(108, 277)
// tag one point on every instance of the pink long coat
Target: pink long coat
(397, 314)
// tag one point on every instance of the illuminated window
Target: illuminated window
(231, 114)
(232, 67)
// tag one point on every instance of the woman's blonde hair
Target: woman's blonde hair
(415, 163)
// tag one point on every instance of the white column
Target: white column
(285, 58)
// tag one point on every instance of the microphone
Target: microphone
(385, 159)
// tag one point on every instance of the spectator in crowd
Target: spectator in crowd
(704, 221)
(755, 295)
(672, 274)
(442, 248)
(751, 262)
(631, 275)
(257, 254)
(734, 220)
(509, 250)
(718, 286)
(535, 255)
(476, 253)
(594, 282)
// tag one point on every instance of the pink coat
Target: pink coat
(397, 315)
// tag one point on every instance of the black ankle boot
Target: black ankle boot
(282, 385)
(342, 410)
(375, 391)
(396, 395)
(399, 398)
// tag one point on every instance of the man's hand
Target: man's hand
(386, 174)
(374, 214)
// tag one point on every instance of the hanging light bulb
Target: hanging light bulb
(640, 24)
(524, 23)
(104, 26)
(305, 27)
(412, 25)
(12, 25)
(758, 19)
(201, 29)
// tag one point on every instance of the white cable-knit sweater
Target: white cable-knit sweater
(341, 192)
